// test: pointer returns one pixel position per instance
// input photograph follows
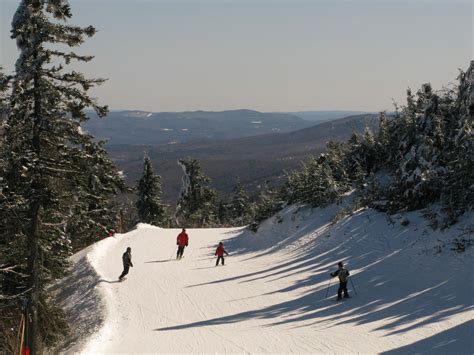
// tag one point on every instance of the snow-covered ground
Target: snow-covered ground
(414, 294)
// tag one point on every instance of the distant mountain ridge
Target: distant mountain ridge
(141, 127)
(324, 116)
(254, 160)
(144, 127)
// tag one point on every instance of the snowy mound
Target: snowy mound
(411, 288)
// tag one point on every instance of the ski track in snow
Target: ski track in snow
(270, 295)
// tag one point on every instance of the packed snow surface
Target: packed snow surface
(414, 293)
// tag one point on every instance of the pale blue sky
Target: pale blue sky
(266, 55)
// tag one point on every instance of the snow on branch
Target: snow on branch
(11, 270)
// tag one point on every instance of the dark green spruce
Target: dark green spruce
(240, 207)
(197, 204)
(57, 182)
(149, 206)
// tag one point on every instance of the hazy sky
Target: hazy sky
(266, 55)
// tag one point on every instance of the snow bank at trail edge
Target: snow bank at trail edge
(81, 299)
(414, 289)
(79, 295)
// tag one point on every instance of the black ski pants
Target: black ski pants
(220, 258)
(179, 255)
(126, 268)
(342, 287)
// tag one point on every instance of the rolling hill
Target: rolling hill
(254, 160)
(139, 127)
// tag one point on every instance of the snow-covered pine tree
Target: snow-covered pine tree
(326, 178)
(149, 206)
(324, 186)
(335, 159)
(421, 166)
(369, 151)
(269, 202)
(355, 158)
(316, 183)
(424, 157)
(458, 185)
(95, 210)
(402, 130)
(383, 135)
(292, 189)
(358, 175)
(197, 204)
(383, 142)
(9, 266)
(240, 205)
(224, 213)
(45, 154)
(360, 155)
(310, 181)
(4, 84)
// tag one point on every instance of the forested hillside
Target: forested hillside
(254, 160)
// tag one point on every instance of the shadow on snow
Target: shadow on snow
(391, 286)
(456, 340)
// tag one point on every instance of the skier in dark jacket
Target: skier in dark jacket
(127, 262)
(343, 274)
(181, 242)
(220, 251)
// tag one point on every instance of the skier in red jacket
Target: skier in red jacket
(220, 251)
(181, 242)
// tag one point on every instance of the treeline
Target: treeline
(422, 154)
(198, 204)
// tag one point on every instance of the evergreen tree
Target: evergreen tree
(52, 171)
(383, 141)
(149, 206)
(240, 205)
(419, 169)
(335, 159)
(94, 214)
(269, 202)
(369, 151)
(383, 137)
(4, 85)
(224, 213)
(458, 184)
(292, 187)
(355, 158)
(197, 204)
(321, 180)
(324, 188)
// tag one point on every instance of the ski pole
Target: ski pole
(327, 290)
(352, 283)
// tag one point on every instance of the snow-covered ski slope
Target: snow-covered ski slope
(414, 294)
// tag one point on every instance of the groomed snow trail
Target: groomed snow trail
(171, 306)
(270, 295)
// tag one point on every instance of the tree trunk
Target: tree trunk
(33, 238)
(33, 282)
